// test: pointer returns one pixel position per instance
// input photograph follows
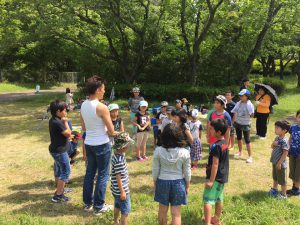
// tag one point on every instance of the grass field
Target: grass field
(27, 176)
(19, 87)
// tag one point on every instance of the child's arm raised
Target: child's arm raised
(119, 181)
(213, 174)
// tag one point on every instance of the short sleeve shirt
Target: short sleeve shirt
(134, 103)
(243, 116)
(195, 128)
(142, 120)
(59, 143)
(215, 115)
(263, 99)
(160, 116)
(119, 167)
(219, 150)
(229, 107)
(283, 145)
(295, 140)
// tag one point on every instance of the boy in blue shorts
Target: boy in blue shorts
(294, 154)
(120, 179)
(217, 171)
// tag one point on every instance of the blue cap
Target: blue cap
(244, 92)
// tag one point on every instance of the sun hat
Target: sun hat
(122, 140)
(164, 103)
(113, 107)
(135, 89)
(244, 92)
(221, 99)
(143, 103)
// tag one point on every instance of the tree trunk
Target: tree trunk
(272, 11)
(281, 69)
(271, 66)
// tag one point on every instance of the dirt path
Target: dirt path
(16, 95)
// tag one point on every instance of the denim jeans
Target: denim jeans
(98, 160)
(62, 169)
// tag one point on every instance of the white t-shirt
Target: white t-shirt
(165, 122)
(195, 128)
(161, 117)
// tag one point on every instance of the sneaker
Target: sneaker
(60, 198)
(281, 196)
(67, 190)
(273, 192)
(104, 209)
(88, 208)
(140, 159)
(249, 160)
(293, 192)
(290, 191)
(145, 157)
(238, 155)
(262, 138)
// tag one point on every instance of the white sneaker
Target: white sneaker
(262, 138)
(105, 208)
(238, 154)
(249, 160)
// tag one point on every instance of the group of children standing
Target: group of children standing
(178, 133)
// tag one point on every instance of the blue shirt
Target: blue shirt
(295, 140)
(153, 123)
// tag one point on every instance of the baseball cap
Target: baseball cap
(222, 99)
(122, 140)
(178, 101)
(113, 106)
(164, 103)
(143, 103)
(244, 92)
(136, 89)
(194, 113)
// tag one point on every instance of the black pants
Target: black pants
(261, 124)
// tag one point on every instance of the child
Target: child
(154, 124)
(116, 120)
(243, 111)
(280, 150)
(168, 119)
(171, 172)
(246, 84)
(294, 154)
(159, 119)
(196, 131)
(185, 104)
(217, 171)
(69, 99)
(219, 113)
(180, 118)
(60, 133)
(178, 104)
(120, 179)
(142, 121)
(74, 151)
(229, 95)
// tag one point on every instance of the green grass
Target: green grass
(27, 177)
(8, 87)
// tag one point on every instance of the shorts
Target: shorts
(62, 169)
(232, 131)
(141, 138)
(123, 206)
(171, 192)
(294, 163)
(213, 195)
(279, 176)
(196, 150)
(243, 130)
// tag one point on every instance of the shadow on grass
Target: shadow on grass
(74, 182)
(145, 189)
(254, 196)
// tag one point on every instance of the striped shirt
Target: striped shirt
(283, 145)
(119, 166)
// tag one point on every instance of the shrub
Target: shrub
(276, 84)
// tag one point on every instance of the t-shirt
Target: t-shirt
(243, 87)
(243, 116)
(265, 99)
(59, 142)
(215, 115)
(219, 150)
(165, 122)
(119, 166)
(142, 120)
(195, 128)
(160, 116)
(229, 107)
(134, 103)
(154, 125)
(283, 145)
(117, 124)
(295, 140)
